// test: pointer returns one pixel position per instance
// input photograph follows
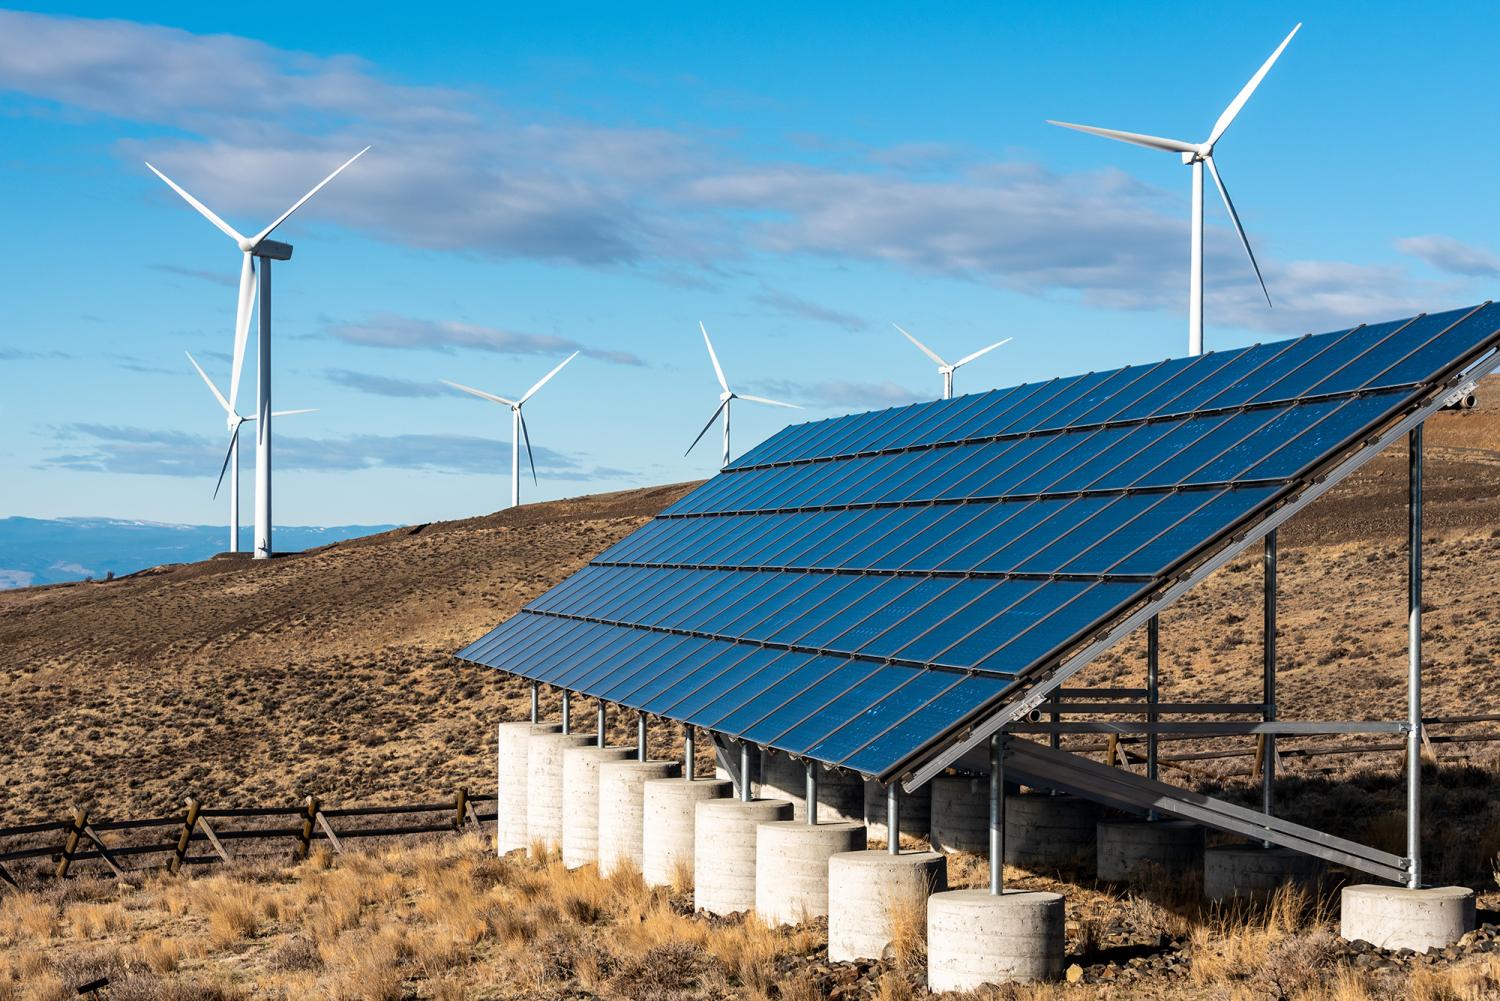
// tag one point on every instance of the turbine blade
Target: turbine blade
(920, 346)
(526, 437)
(479, 392)
(982, 351)
(245, 307)
(1244, 95)
(203, 210)
(303, 200)
(224, 468)
(293, 413)
(543, 381)
(211, 387)
(713, 357)
(1138, 138)
(762, 399)
(710, 424)
(1235, 216)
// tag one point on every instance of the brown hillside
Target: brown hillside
(330, 672)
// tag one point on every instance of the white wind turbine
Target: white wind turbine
(944, 369)
(268, 251)
(233, 420)
(725, 397)
(518, 431)
(1197, 156)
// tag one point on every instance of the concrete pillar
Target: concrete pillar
(791, 867)
(580, 819)
(1255, 871)
(669, 823)
(976, 937)
(916, 812)
(513, 777)
(841, 797)
(1045, 833)
(1131, 849)
(876, 899)
(544, 786)
(621, 809)
(1393, 917)
(960, 814)
(724, 851)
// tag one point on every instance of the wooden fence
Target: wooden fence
(85, 838)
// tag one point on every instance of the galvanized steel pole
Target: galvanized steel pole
(1268, 645)
(687, 751)
(567, 711)
(1414, 660)
(603, 724)
(536, 703)
(893, 817)
(640, 737)
(1153, 695)
(746, 793)
(997, 815)
(811, 791)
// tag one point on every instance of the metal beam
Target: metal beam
(997, 814)
(1151, 709)
(1206, 728)
(1041, 688)
(1268, 671)
(1414, 659)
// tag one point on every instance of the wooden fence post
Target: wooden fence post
(70, 845)
(1112, 750)
(1260, 755)
(189, 823)
(460, 808)
(309, 817)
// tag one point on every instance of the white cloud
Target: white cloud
(1452, 256)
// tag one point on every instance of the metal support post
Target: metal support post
(603, 724)
(997, 814)
(1268, 645)
(746, 792)
(687, 751)
(640, 737)
(567, 711)
(893, 817)
(1153, 695)
(536, 703)
(1414, 661)
(811, 791)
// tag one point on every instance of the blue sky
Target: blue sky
(602, 177)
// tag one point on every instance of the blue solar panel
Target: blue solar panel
(854, 589)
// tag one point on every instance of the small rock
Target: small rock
(1074, 973)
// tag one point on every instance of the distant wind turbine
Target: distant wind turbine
(944, 369)
(1199, 155)
(233, 420)
(268, 251)
(725, 397)
(518, 431)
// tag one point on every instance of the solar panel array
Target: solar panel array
(855, 589)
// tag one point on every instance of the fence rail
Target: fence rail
(81, 838)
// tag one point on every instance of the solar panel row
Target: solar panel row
(852, 589)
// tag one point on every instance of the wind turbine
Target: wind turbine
(1197, 156)
(944, 369)
(725, 397)
(518, 430)
(233, 420)
(268, 251)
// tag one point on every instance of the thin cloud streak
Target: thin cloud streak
(409, 333)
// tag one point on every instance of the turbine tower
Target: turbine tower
(267, 250)
(1198, 156)
(725, 397)
(944, 369)
(518, 431)
(233, 419)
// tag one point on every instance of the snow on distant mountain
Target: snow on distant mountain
(52, 550)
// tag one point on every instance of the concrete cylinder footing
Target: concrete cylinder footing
(960, 814)
(1393, 917)
(668, 825)
(724, 851)
(791, 867)
(513, 777)
(975, 937)
(580, 822)
(1049, 832)
(841, 797)
(622, 809)
(544, 787)
(1134, 849)
(915, 813)
(877, 901)
(1255, 872)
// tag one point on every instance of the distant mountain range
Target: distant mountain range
(52, 550)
